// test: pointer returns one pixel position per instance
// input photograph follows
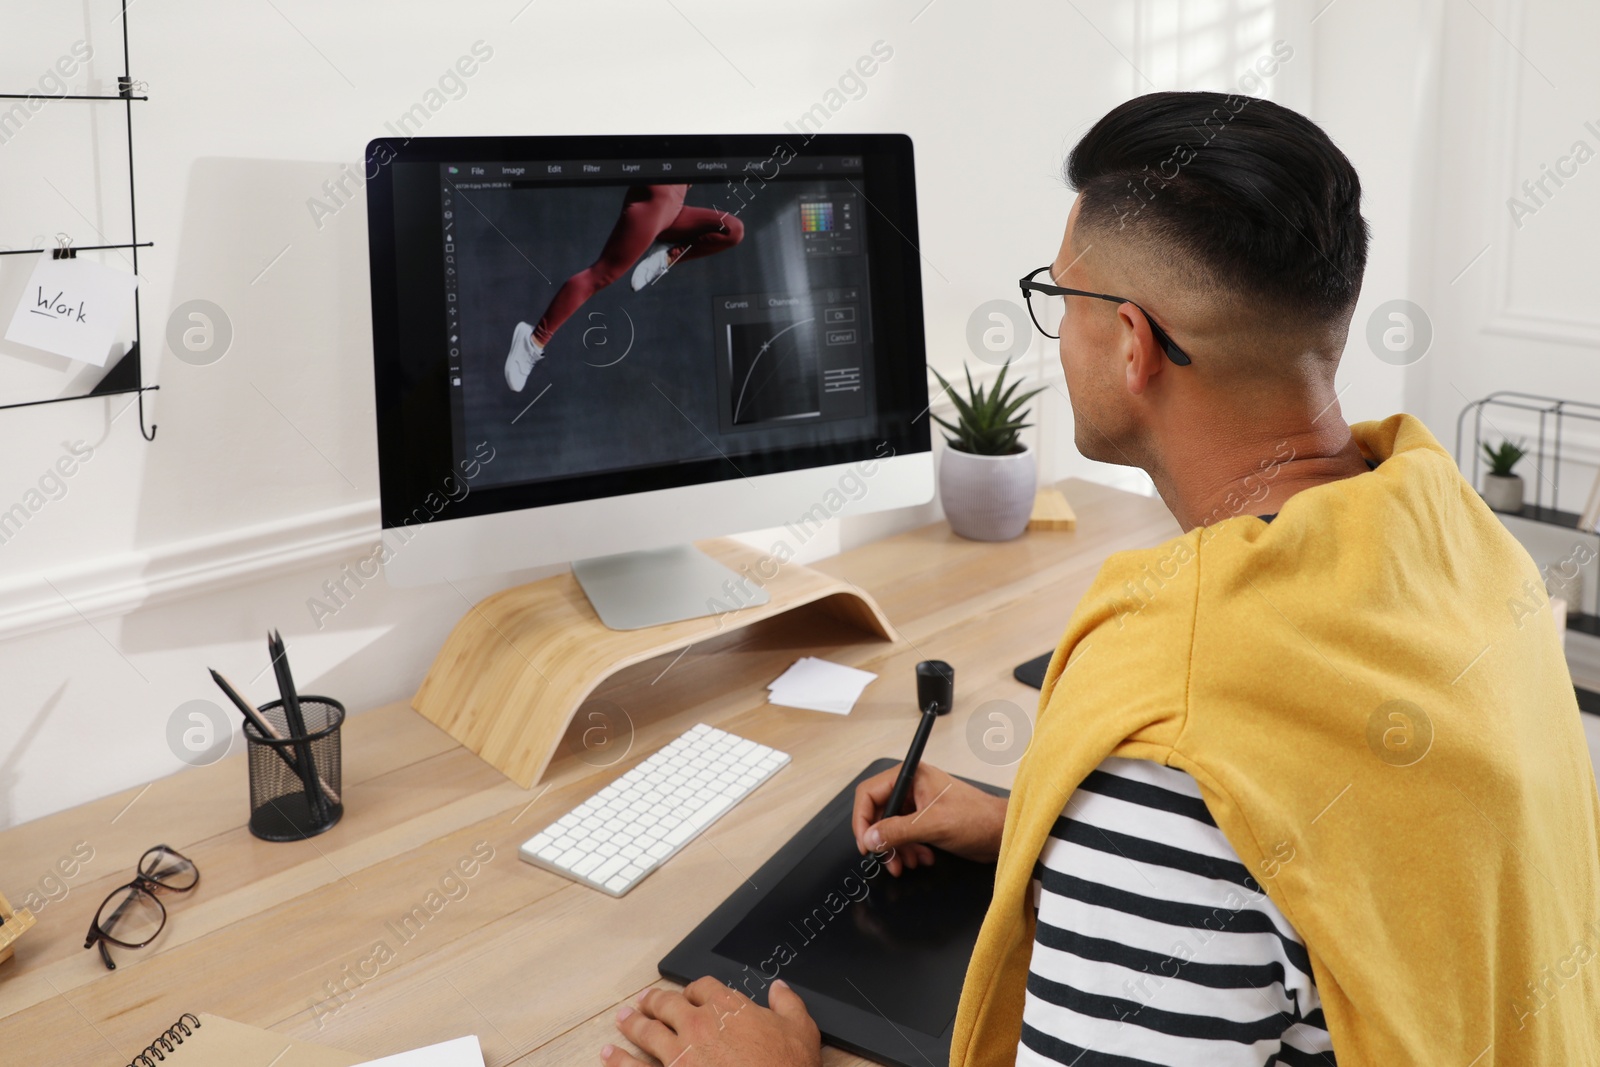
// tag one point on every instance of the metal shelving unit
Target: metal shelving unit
(1554, 414)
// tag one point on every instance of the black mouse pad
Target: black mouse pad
(878, 960)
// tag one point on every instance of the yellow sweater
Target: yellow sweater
(1373, 699)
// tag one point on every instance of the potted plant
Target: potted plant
(1502, 490)
(987, 476)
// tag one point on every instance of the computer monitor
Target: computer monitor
(598, 349)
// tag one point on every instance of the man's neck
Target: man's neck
(1253, 469)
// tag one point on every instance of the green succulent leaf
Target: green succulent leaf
(1504, 458)
(988, 420)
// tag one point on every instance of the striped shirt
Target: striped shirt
(1154, 945)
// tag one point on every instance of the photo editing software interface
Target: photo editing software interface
(611, 314)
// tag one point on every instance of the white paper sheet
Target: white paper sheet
(818, 685)
(462, 1052)
(72, 307)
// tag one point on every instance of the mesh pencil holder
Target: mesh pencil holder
(283, 805)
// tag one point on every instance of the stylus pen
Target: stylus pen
(936, 686)
(908, 769)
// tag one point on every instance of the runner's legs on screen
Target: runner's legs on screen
(655, 230)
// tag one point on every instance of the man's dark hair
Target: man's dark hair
(1254, 194)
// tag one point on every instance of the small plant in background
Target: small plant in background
(988, 421)
(1504, 458)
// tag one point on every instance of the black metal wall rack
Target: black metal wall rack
(127, 374)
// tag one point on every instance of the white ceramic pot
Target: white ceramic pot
(1503, 492)
(987, 498)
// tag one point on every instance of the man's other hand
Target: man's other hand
(711, 1025)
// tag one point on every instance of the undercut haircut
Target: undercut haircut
(1253, 194)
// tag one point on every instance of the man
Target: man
(1308, 783)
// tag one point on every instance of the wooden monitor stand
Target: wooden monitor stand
(520, 663)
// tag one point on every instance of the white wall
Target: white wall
(1506, 272)
(162, 559)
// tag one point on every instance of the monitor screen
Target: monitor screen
(571, 318)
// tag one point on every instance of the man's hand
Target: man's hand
(711, 1025)
(942, 811)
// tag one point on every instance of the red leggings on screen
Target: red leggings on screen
(650, 213)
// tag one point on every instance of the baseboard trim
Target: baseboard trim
(117, 585)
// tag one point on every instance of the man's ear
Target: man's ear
(1143, 355)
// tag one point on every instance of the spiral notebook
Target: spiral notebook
(210, 1041)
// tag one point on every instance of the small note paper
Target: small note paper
(462, 1052)
(72, 307)
(817, 685)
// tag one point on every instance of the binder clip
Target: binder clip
(63, 249)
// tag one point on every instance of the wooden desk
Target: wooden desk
(532, 963)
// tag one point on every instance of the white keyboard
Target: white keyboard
(618, 836)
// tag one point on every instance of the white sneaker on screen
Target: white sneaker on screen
(655, 262)
(523, 355)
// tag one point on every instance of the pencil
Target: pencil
(296, 725)
(266, 729)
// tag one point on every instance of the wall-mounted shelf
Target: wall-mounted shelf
(127, 374)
